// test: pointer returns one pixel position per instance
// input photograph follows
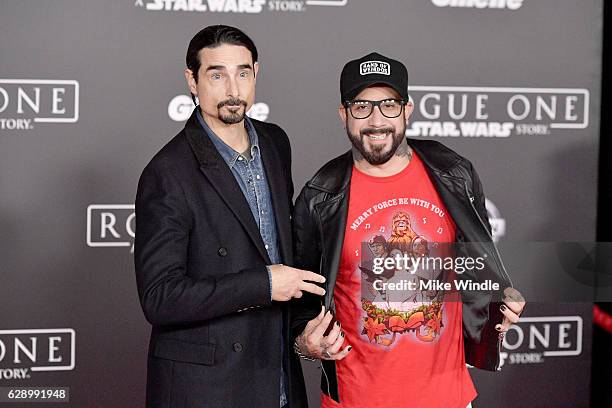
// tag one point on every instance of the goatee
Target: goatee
(377, 155)
(232, 117)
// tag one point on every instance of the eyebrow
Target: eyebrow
(222, 67)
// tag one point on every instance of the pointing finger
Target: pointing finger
(311, 276)
(312, 288)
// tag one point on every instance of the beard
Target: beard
(377, 155)
(237, 111)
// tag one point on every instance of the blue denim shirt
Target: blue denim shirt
(250, 175)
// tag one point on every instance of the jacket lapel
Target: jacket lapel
(335, 209)
(223, 181)
(278, 191)
(333, 214)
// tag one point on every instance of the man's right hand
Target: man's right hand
(288, 282)
(314, 343)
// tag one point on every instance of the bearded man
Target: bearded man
(423, 363)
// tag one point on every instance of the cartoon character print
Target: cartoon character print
(402, 233)
(389, 313)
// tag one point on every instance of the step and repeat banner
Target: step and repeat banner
(90, 90)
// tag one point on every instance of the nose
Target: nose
(376, 119)
(232, 87)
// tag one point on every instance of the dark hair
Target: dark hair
(212, 37)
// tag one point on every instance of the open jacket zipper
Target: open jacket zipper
(498, 260)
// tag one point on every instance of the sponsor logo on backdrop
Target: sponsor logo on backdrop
(480, 4)
(25, 351)
(235, 6)
(181, 107)
(498, 224)
(24, 102)
(534, 339)
(111, 225)
(459, 111)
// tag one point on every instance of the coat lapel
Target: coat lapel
(278, 191)
(333, 214)
(223, 181)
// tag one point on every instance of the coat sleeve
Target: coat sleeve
(479, 197)
(168, 295)
(307, 255)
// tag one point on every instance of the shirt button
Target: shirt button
(258, 177)
(267, 246)
(240, 158)
(237, 347)
(222, 251)
(263, 212)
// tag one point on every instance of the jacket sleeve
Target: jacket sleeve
(168, 295)
(479, 197)
(307, 255)
(479, 203)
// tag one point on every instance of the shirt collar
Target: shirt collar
(227, 153)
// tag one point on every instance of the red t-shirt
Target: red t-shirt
(407, 345)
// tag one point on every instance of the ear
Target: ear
(191, 83)
(408, 110)
(255, 69)
(342, 114)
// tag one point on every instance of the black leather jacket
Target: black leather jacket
(319, 220)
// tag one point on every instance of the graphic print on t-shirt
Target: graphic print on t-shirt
(393, 300)
(407, 344)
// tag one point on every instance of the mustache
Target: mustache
(376, 131)
(231, 102)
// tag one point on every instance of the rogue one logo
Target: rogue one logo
(28, 350)
(461, 111)
(234, 6)
(111, 225)
(481, 4)
(24, 102)
(533, 339)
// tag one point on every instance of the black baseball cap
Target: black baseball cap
(373, 69)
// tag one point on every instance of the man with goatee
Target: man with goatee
(212, 233)
(376, 356)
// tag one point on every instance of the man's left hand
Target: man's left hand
(513, 306)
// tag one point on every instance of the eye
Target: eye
(244, 74)
(215, 75)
